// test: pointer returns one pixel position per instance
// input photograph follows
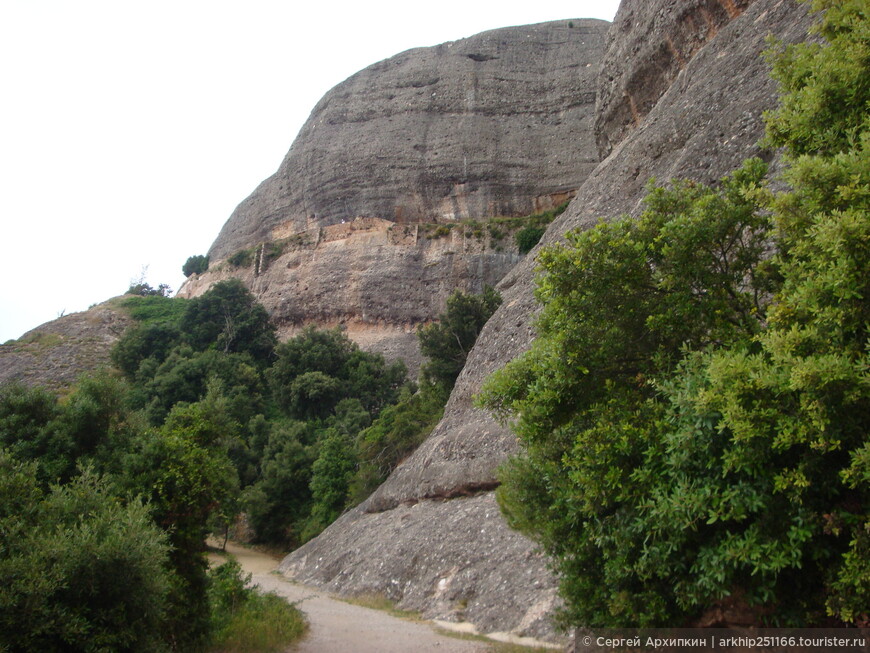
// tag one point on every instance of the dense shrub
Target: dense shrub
(81, 570)
(447, 342)
(315, 370)
(528, 237)
(244, 620)
(196, 264)
(694, 410)
(228, 318)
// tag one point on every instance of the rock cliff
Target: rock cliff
(360, 227)
(377, 280)
(699, 116)
(354, 229)
(496, 124)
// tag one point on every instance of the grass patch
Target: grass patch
(495, 646)
(242, 259)
(264, 623)
(245, 621)
(154, 308)
(41, 339)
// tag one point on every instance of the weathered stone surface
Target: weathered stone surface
(56, 353)
(701, 128)
(377, 280)
(704, 123)
(446, 559)
(496, 124)
(647, 47)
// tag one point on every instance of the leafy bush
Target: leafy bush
(446, 343)
(242, 259)
(244, 621)
(196, 264)
(143, 289)
(82, 571)
(229, 319)
(393, 436)
(694, 410)
(315, 370)
(528, 237)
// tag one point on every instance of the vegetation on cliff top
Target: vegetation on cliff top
(694, 412)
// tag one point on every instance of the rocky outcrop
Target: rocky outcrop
(354, 230)
(702, 119)
(647, 48)
(56, 353)
(445, 559)
(496, 124)
(373, 278)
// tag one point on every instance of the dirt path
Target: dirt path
(336, 626)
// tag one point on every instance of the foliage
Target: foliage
(447, 342)
(143, 289)
(622, 302)
(331, 474)
(187, 470)
(155, 308)
(242, 259)
(93, 426)
(280, 501)
(82, 571)
(394, 435)
(315, 370)
(196, 264)
(694, 412)
(528, 237)
(244, 621)
(185, 375)
(229, 319)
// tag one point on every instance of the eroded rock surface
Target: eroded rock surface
(499, 123)
(704, 122)
(56, 353)
(445, 559)
(375, 279)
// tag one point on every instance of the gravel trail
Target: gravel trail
(336, 626)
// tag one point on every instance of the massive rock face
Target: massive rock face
(700, 116)
(496, 124)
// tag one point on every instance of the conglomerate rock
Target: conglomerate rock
(499, 123)
(346, 234)
(703, 124)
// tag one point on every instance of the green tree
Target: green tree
(185, 467)
(331, 474)
(196, 264)
(184, 377)
(393, 436)
(143, 342)
(622, 303)
(279, 502)
(229, 319)
(528, 237)
(82, 570)
(720, 451)
(92, 426)
(317, 369)
(447, 342)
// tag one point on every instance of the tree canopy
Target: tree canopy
(694, 411)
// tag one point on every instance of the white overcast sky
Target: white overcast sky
(130, 130)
